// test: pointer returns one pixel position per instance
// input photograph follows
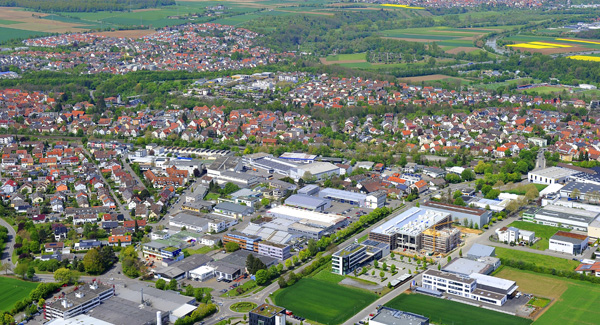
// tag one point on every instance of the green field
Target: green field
(541, 231)
(322, 300)
(576, 301)
(7, 34)
(12, 291)
(521, 190)
(545, 90)
(8, 22)
(243, 306)
(539, 259)
(441, 311)
(345, 57)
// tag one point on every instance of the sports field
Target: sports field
(539, 259)
(12, 291)
(574, 302)
(441, 311)
(322, 300)
(541, 231)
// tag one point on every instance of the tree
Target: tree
(231, 247)
(265, 202)
(64, 275)
(384, 266)
(575, 194)
(21, 269)
(460, 252)
(6, 266)
(161, 284)
(459, 201)
(172, 285)
(492, 194)
(381, 274)
(288, 264)
(393, 268)
(198, 294)
(262, 276)
(281, 282)
(30, 272)
(92, 262)
(467, 175)
(189, 290)
(376, 264)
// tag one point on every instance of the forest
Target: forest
(85, 5)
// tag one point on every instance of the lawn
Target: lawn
(538, 302)
(521, 190)
(211, 196)
(346, 57)
(201, 250)
(13, 290)
(243, 306)
(244, 288)
(322, 300)
(541, 231)
(539, 259)
(7, 34)
(576, 301)
(441, 311)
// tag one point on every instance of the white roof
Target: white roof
(492, 281)
(78, 320)
(317, 168)
(554, 172)
(552, 188)
(300, 214)
(184, 310)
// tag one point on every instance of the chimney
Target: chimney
(158, 318)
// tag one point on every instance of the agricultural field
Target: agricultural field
(7, 34)
(342, 302)
(541, 231)
(441, 311)
(13, 290)
(453, 40)
(560, 264)
(551, 45)
(573, 301)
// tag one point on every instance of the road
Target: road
(124, 212)
(130, 171)
(8, 250)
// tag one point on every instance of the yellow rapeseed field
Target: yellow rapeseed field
(401, 6)
(531, 46)
(550, 44)
(577, 41)
(585, 58)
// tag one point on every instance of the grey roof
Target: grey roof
(389, 316)
(236, 208)
(305, 201)
(189, 219)
(238, 258)
(570, 214)
(571, 240)
(479, 250)
(582, 187)
(466, 267)
(163, 300)
(341, 194)
(115, 310)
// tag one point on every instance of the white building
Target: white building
(550, 175)
(375, 200)
(570, 243)
(514, 235)
(202, 273)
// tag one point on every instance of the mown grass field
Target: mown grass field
(541, 231)
(521, 190)
(7, 34)
(441, 311)
(321, 299)
(13, 290)
(575, 302)
(347, 57)
(538, 259)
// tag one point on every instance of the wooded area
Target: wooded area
(85, 5)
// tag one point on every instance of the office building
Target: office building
(355, 255)
(389, 316)
(232, 210)
(514, 235)
(467, 287)
(266, 314)
(375, 199)
(75, 301)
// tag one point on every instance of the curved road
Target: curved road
(10, 244)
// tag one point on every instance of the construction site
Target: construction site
(419, 230)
